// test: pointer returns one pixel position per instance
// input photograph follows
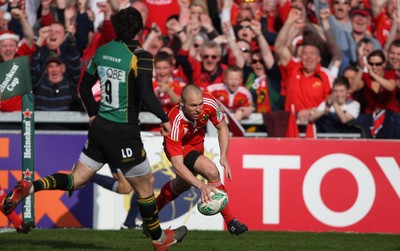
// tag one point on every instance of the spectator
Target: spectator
(334, 115)
(350, 73)
(244, 31)
(264, 87)
(198, 40)
(81, 19)
(379, 87)
(232, 94)
(340, 10)
(255, 38)
(177, 71)
(394, 59)
(383, 16)
(54, 91)
(160, 11)
(307, 82)
(198, 19)
(364, 47)
(55, 39)
(4, 19)
(360, 20)
(167, 89)
(9, 50)
(210, 70)
(9, 40)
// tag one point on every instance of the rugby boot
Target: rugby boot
(20, 191)
(172, 237)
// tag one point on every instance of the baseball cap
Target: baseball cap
(361, 10)
(53, 57)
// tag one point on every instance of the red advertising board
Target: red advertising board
(316, 185)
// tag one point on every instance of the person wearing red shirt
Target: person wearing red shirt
(159, 11)
(9, 50)
(167, 89)
(184, 147)
(233, 94)
(382, 20)
(378, 84)
(307, 82)
(379, 88)
(209, 71)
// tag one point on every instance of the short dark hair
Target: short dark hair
(350, 68)
(127, 24)
(163, 56)
(341, 81)
(395, 43)
(233, 68)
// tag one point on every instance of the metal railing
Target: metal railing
(81, 119)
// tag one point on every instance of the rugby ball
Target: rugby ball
(218, 203)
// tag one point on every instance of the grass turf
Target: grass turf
(87, 239)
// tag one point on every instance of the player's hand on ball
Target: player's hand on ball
(218, 203)
(206, 193)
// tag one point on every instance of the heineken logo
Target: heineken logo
(27, 124)
(15, 77)
(27, 137)
(9, 77)
(28, 208)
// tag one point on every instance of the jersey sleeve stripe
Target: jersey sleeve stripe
(211, 102)
(175, 127)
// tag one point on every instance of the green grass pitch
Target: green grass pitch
(87, 239)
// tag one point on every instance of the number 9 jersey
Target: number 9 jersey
(125, 73)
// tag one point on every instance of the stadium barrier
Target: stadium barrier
(278, 184)
(78, 121)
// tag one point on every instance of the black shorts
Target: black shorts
(116, 144)
(190, 159)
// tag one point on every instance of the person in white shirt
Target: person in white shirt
(335, 114)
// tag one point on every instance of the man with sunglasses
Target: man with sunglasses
(209, 71)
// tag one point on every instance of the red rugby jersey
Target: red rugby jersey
(189, 135)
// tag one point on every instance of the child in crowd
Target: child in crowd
(338, 110)
(233, 94)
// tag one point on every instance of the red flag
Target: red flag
(292, 131)
(311, 131)
(379, 118)
(235, 127)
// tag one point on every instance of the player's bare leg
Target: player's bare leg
(208, 170)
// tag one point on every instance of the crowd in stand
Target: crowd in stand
(335, 63)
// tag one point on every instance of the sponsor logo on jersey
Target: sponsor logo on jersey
(205, 117)
(111, 73)
(111, 58)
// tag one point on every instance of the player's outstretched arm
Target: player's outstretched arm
(223, 139)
